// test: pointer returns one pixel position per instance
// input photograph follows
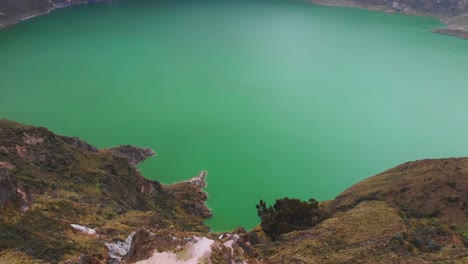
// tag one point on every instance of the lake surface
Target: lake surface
(273, 98)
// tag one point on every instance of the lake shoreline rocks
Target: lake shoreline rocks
(455, 17)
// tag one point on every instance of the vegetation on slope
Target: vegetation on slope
(414, 213)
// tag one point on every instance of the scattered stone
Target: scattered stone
(84, 229)
(22, 151)
(195, 252)
(7, 165)
(31, 140)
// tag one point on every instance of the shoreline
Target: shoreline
(455, 26)
(48, 9)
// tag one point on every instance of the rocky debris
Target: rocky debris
(197, 250)
(173, 246)
(119, 249)
(85, 230)
(134, 155)
(31, 140)
(200, 180)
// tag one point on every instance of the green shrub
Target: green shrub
(287, 215)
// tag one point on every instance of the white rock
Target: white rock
(118, 249)
(197, 252)
(84, 229)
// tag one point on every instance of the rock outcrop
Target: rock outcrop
(120, 249)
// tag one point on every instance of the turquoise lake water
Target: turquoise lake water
(273, 98)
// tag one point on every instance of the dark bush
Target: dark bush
(287, 215)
